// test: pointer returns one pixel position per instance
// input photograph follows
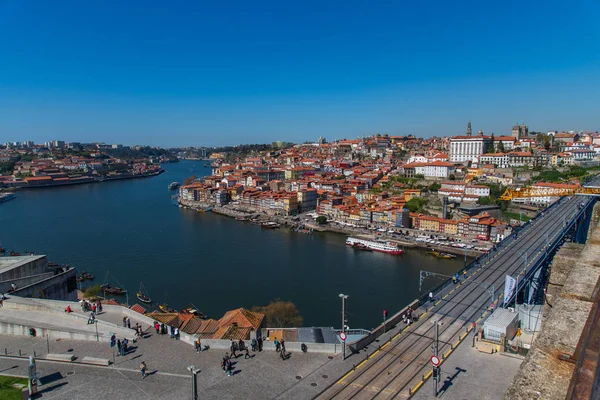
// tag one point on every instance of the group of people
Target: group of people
(122, 346)
(280, 348)
(86, 305)
(240, 345)
(409, 317)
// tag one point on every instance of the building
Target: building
(468, 148)
(520, 131)
(436, 169)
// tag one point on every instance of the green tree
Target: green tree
(501, 147)
(92, 291)
(452, 177)
(485, 201)
(321, 219)
(416, 204)
(280, 314)
(492, 148)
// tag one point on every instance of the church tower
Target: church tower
(469, 129)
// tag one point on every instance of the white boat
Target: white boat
(389, 248)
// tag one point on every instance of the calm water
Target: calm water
(133, 229)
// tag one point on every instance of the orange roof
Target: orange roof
(138, 309)
(242, 318)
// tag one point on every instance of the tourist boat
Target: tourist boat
(441, 255)
(270, 225)
(361, 246)
(389, 248)
(173, 185)
(6, 197)
(142, 295)
(106, 288)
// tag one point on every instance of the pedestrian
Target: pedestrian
(241, 345)
(119, 345)
(276, 343)
(172, 332)
(229, 368)
(157, 327)
(124, 322)
(139, 331)
(198, 345)
(247, 355)
(260, 343)
(465, 274)
(232, 349)
(282, 344)
(143, 369)
(282, 354)
(176, 333)
(254, 343)
(91, 319)
(430, 296)
(123, 347)
(163, 329)
(224, 363)
(99, 306)
(94, 308)
(128, 323)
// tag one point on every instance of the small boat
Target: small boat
(142, 295)
(270, 225)
(194, 311)
(439, 254)
(106, 288)
(13, 253)
(173, 185)
(165, 308)
(85, 277)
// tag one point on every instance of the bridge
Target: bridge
(402, 365)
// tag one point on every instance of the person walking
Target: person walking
(232, 349)
(128, 323)
(176, 333)
(163, 329)
(172, 331)
(241, 345)
(224, 363)
(157, 327)
(276, 343)
(123, 347)
(94, 308)
(119, 345)
(198, 345)
(282, 344)
(229, 368)
(143, 369)
(99, 306)
(124, 322)
(254, 344)
(247, 355)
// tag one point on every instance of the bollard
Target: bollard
(422, 377)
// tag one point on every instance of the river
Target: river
(133, 229)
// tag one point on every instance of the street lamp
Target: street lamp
(343, 297)
(194, 372)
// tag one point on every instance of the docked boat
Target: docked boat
(165, 308)
(107, 288)
(389, 248)
(194, 311)
(173, 185)
(142, 295)
(85, 277)
(270, 225)
(439, 254)
(361, 246)
(6, 197)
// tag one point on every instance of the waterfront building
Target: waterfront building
(468, 148)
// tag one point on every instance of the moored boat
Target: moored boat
(270, 225)
(361, 246)
(439, 254)
(389, 248)
(142, 295)
(106, 288)
(173, 185)
(85, 277)
(165, 308)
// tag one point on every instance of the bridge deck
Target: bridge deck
(399, 367)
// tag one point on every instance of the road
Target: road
(399, 367)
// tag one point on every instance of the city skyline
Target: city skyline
(212, 75)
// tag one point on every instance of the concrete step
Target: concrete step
(95, 361)
(60, 357)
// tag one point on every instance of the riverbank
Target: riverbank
(292, 222)
(86, 179)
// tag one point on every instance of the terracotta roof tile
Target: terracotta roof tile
(242, 318)
(138, 309)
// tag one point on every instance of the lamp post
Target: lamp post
(343, 297)
(194, 372)
(436, 370)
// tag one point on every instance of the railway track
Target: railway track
(402, 363)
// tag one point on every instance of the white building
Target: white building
(436, 169)
(468, 148)
(500, 160)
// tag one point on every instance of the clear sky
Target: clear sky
(230, 72)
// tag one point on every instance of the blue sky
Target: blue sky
(213, 73)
